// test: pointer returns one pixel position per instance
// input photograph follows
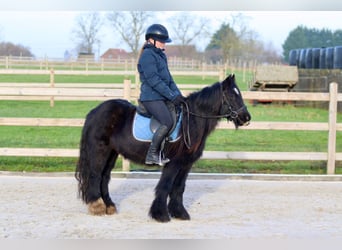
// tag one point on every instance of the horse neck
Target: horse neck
(202, 108)
(206, 126)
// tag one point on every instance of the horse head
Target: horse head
(233, 106)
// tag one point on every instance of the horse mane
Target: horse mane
(206, 100)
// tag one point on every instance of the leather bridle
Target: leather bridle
(231, 115)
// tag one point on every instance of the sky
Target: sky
(49, 33)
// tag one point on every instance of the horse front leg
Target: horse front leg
(176, 207)
(159, 210)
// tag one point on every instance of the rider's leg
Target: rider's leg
(154, 156)
(159, 111)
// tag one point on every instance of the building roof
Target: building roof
(116, 53)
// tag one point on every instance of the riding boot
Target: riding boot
(154, 155)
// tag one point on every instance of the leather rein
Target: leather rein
(233, 114)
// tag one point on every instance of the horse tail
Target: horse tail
(83, 170)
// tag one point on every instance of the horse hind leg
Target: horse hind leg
(103, 204)
(97, 207)
(110, 205)
(96, 204)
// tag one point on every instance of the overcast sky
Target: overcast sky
(49, 33)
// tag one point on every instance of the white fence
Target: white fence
(76, 92)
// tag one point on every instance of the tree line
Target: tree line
(303, 37)
(232, 41)
(11, 49)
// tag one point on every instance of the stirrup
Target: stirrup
(162, 160)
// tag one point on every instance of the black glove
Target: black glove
(178, 100)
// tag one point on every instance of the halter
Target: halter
(231, 115)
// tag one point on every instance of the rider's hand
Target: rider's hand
(178, 100)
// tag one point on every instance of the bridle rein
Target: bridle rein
(231, 115)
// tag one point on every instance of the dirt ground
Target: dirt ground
(47, 207)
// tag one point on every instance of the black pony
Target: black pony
(107, 132)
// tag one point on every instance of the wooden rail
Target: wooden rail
(82, 91)
(331, 156)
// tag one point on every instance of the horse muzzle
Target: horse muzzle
(242, 119)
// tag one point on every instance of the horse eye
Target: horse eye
(236, 91)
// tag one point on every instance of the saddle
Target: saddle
(144, 125)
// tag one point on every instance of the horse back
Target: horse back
(111, 109)
(109, 116)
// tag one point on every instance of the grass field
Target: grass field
(220, 140)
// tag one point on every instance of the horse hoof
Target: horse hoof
(160, 217)
(182, 217)
(180, 214)
(163, 219)
(97, 207)
(111, 210)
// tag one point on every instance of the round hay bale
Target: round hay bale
(337, 57)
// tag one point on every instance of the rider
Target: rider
(157, 86)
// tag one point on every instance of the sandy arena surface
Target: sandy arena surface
(45, 207)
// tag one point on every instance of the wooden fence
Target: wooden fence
(128, 64)
(76, 92)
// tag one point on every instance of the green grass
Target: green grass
(78, 109)
(37, 164)
(220, 140)
(40, 137)
(64, 78)
(96, 79)
(264, 167)
(61, 109)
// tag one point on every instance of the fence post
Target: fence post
(102, 64)
(332, 128)
(222, 74)
(7, 62)
(52, 85)
(137, 84)
(244, 72)
(127, 89)
(125, 165)
(204, 68)
(46, 63)
(127, 96)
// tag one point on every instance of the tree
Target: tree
(131, 25)
(10, 49)
(226, 40)
(187, 28)
(239, 43)
(87, 30)
(337, 37)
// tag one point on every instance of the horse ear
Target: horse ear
(226, 82)
(230, 78)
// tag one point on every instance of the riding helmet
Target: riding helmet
(157, 32)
